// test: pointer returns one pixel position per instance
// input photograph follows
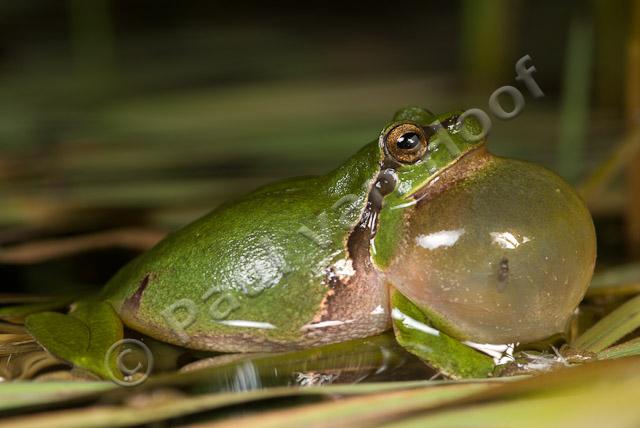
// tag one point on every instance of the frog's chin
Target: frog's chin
(496, 250)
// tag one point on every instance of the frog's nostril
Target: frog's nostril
(503, 255)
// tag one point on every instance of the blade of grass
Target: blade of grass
(619, 280)
(632, 93)
(11, 328)
(16, 394)
(395, 403)
(356, 412)
(44, 250)
(173, 405)
(626, 349)
(574, 115)
(25, 363)
(594, 406)
(360, 411)
(622, 155)
(611, 328)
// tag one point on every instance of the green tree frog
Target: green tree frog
(422, 229)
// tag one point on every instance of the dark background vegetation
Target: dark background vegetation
(148, 113)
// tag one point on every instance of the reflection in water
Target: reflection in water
(444, 238)
(373, 359)
(315, 379)
(246, 378)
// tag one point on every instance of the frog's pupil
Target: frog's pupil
(408, 141)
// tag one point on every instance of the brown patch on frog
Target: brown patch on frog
(465, 166)
(356, 300)
(133, 303)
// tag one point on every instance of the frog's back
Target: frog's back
(270, 271)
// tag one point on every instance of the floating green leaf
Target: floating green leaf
(83, 337)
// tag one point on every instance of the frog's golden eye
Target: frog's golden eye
(406, 143)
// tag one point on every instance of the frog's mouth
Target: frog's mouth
(496, 250)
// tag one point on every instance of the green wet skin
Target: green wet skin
(257, 272)
(261, 258)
